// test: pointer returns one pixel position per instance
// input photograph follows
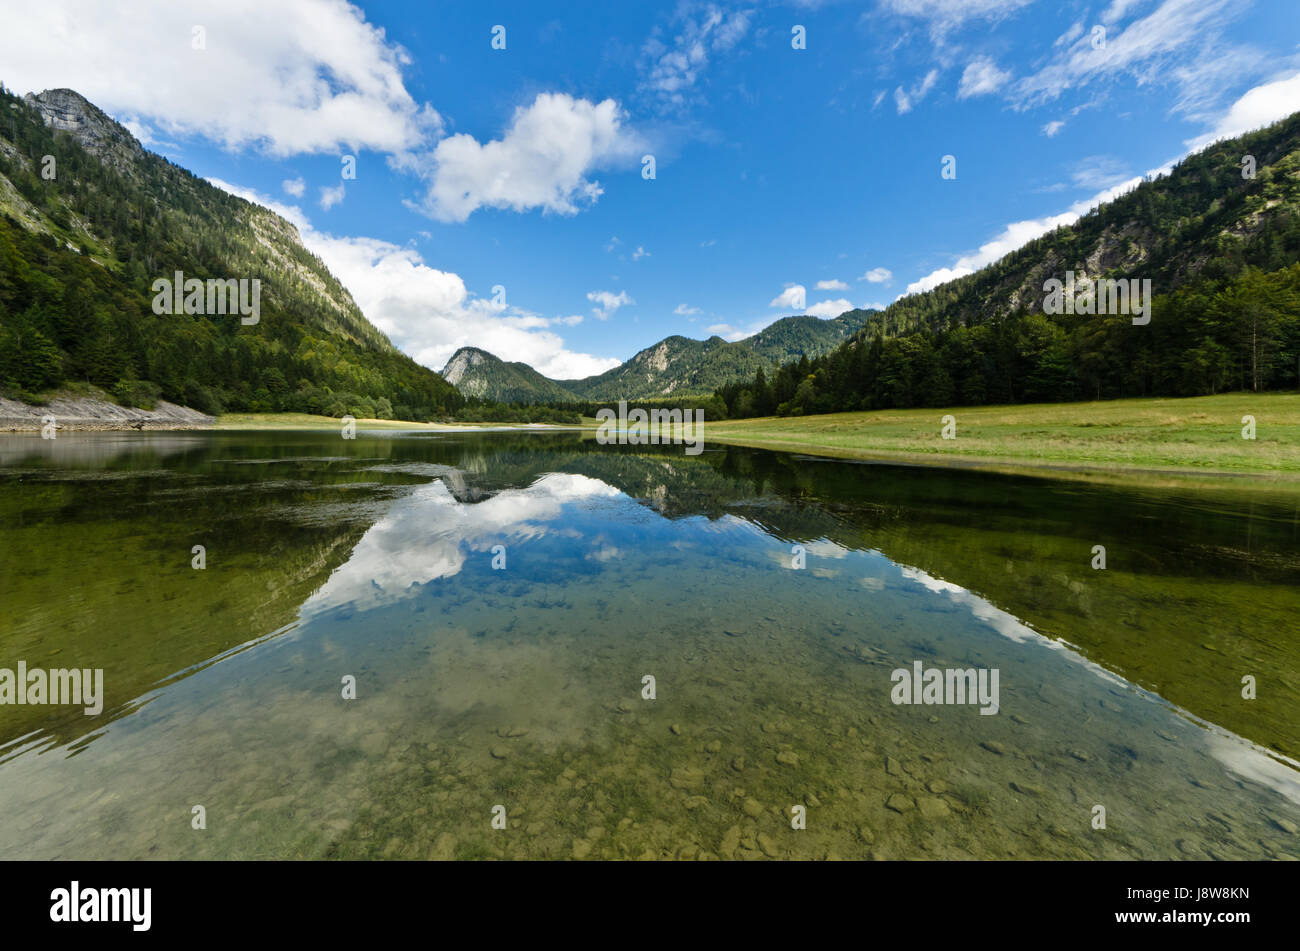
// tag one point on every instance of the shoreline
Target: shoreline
(1080, 470)
(1161, 442)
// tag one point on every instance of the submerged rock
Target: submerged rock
(685, 777)
(932, 807)
(900, 803)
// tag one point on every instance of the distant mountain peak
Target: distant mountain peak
(674, 366)
(463, 360)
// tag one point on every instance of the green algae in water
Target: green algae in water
(523, 688)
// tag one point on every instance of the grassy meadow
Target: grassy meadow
(1200, 435)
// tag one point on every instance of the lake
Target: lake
(529, 645)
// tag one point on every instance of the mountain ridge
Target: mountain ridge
(676, 366)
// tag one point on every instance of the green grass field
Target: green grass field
(1201, 435)
(1198, 435)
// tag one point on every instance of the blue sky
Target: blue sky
(776, 169)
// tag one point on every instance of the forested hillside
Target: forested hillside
(89, 220)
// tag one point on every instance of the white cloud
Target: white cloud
(640, 253)
(829, 308)
(932, 280)
(835, 285)
(1012, 236)
(294, 76)
(980, 78)
(329, 197)
(294, 186)
(672, 68)
(792, 298)
(905, 101)
(1149, 48)
(728, 332)
(542, 160)
(607, 303)
(427, 313)
(1069, 36)
(681, 310)
(1259, 107)
(1053, 127)
(1117, 9)
(944, 16)
(878, 275)
(920, 92)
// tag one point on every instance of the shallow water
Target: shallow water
(521, 686)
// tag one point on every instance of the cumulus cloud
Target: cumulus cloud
(792, 298)
(878, 275)
(829, 308)
(329, 197)
(835, 285)
(980, 78)
(429, 313)
(607, 302)
(294, 186)
(1053, 127)
(543, 160)
(1259, 107)
(681, 310)
(295, 76)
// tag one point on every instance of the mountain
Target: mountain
(90, 222)
(681, 366)
(1219, 246)
(674, 367)
(478, 373)
(793, 337)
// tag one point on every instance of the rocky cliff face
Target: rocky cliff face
(97, 413)
(461, 363)
(65, 110)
